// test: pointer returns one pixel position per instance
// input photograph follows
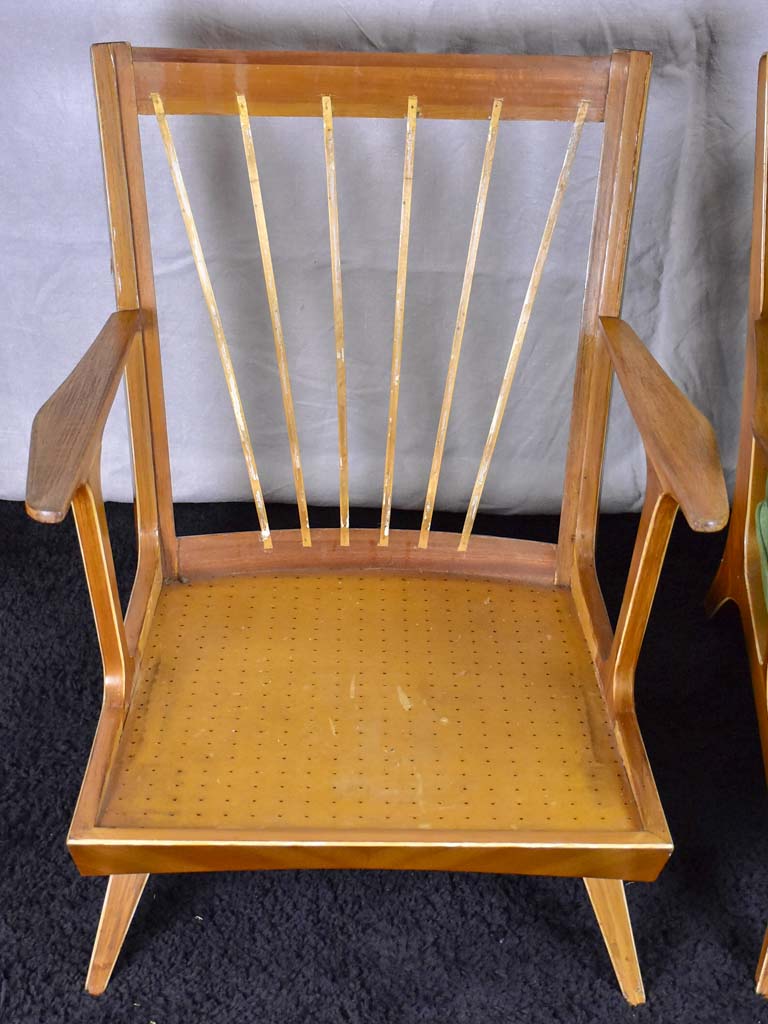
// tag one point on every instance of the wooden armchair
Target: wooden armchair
(354, 698)
(740, 575)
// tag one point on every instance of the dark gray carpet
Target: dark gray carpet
(290, 948)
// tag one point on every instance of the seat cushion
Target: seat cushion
(367, 701)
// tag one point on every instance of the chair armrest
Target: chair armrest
(760, 407)
(680, 443)
(67, 431)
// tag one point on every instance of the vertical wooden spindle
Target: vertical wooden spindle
(522, 325)
(338, 318)
(397, 339)
(213, 312)
(461, 320)
(274, 312)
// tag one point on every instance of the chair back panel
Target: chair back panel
(327, 86)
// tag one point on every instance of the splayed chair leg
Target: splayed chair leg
(609, 902)
(761, 974)
(120, 902)
(720, 590)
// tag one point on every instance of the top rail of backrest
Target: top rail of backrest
(456, 86)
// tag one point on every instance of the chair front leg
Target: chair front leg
(120, 902)
(609, 902)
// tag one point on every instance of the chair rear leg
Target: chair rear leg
(720, 589)
(609, 902)
(120, 902)
(761, 974)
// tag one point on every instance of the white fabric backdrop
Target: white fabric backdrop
(686, 281)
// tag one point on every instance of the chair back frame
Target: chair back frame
(131, 83)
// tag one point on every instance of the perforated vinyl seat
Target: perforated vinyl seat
(360, 702)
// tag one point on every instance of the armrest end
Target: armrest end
(40, 515)
(679, 441)
(67, 431)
